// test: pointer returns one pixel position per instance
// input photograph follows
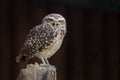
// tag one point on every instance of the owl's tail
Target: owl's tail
(21, 58)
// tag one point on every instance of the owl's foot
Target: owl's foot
(45, 62)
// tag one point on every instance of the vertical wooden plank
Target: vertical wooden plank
(110, 37)
(69, 53)
(74, 42)
(97, 44)
(87, 43)
(104, 47)
(5, 40)
(113, 58)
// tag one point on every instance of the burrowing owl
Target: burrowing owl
(44, 40)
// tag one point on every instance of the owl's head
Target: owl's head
(55, 20)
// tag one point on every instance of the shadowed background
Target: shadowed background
(90, 50)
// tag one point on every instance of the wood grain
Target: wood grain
(38, 72)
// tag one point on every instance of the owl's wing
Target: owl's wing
(38, 38)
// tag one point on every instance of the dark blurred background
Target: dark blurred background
(90, 50)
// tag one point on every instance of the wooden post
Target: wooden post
(38, 72)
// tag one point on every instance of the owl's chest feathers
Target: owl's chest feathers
(52, 48)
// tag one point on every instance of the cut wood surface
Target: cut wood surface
(38, 72)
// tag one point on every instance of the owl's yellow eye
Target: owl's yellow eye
(57, 24)
(53, 24)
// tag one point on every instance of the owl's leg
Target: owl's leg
(43, 60)
(47, 62)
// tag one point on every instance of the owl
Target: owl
(44, 40)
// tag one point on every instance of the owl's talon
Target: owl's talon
(47, 62)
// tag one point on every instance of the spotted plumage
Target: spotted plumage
(45, 39)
